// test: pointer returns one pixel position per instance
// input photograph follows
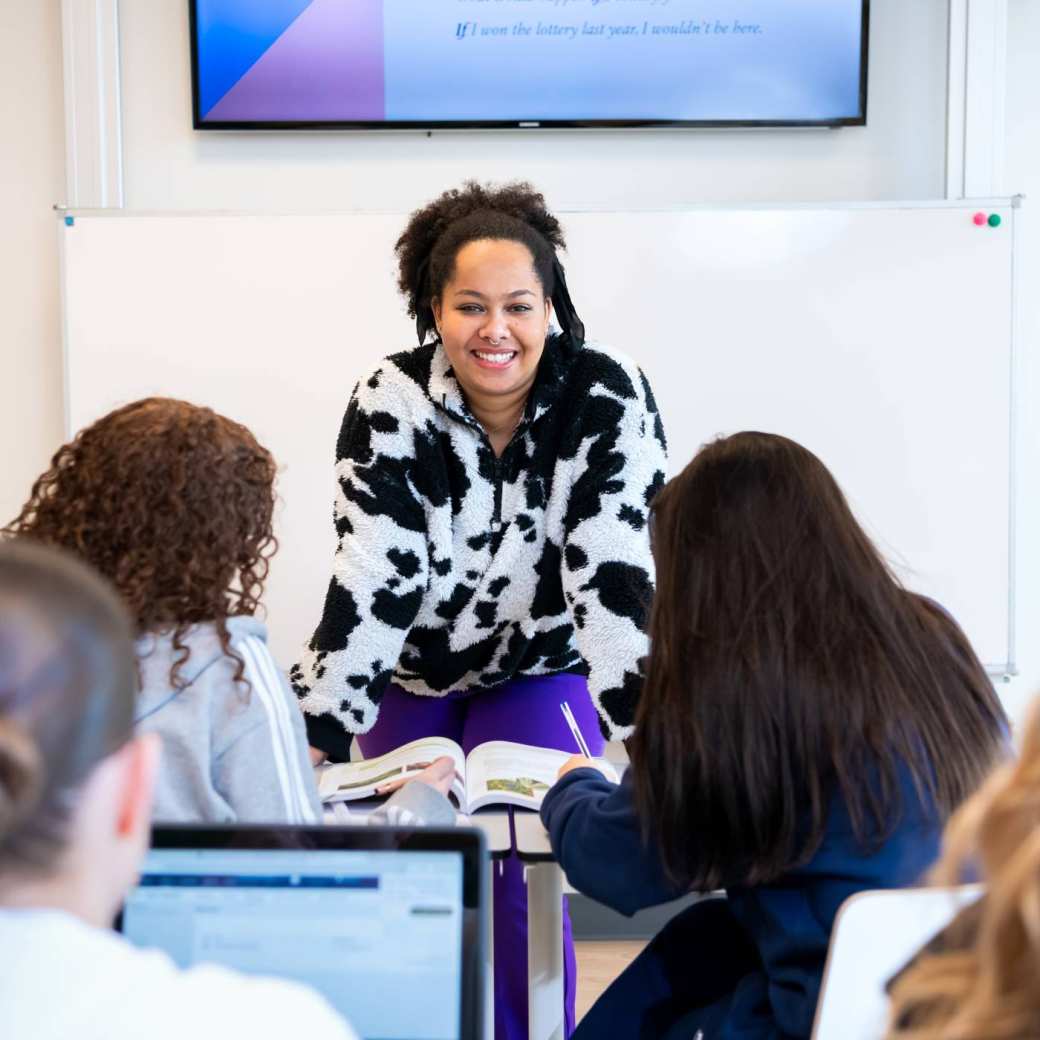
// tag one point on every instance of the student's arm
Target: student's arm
(379, 573)
(260, 766)
(420, 801)
(417, 803)
(608, 570)
(596, 839)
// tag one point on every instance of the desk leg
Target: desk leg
(545, 952)
(489, 987)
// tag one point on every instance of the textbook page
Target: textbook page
(351, 781)
(503, 773)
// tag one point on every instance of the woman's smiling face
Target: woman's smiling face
(493, 317)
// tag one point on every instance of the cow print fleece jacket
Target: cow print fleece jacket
(456, 570)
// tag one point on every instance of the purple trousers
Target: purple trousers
(525, 710)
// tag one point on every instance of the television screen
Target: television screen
(515, 63)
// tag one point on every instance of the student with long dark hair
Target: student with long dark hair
(806, 727)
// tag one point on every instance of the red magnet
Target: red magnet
(979, 219)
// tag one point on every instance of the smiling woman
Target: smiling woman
(493, 485)
(492, 319)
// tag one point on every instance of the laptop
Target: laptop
(387, 923)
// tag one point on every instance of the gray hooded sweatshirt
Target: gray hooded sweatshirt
(232, 755)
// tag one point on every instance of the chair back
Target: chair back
(875, 934)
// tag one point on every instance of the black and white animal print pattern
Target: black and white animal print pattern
(457, 570)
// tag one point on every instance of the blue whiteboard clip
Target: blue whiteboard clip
(70, 221)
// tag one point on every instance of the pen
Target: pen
(578, 738)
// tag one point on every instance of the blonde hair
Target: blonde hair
(989, 985)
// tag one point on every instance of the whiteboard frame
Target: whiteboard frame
(1014, 201)
(1004, 671)
(1018, 375)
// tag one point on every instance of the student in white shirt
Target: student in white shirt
(75, 803)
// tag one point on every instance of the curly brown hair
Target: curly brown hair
(173, 504)
(434, 235)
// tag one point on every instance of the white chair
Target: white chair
(875, 934)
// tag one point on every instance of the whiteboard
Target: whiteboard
(879, 336)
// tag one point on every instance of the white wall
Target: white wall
(899, 154)
(1022, 174)
(32, 179)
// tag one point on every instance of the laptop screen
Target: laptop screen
(363, 926)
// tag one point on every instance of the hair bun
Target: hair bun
(518, 200)
(21, 776)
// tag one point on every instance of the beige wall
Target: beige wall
(32, 179)
(168, 166)
(900, 154)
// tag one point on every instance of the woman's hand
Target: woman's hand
(439, 774)
(575, 762)
(317, 756)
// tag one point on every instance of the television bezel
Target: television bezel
(860, 119)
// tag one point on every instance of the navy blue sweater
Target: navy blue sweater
(596, 838)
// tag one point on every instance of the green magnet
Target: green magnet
(994, 220)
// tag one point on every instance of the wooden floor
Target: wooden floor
(599, 963)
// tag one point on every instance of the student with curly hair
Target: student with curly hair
(491, 504)
(173, 504)
(806, 726)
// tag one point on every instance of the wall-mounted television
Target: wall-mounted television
(440, 64)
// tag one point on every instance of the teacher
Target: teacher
(493, 485)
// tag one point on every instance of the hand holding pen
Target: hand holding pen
(583, 760)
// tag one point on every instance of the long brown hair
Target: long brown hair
(173, 504)
(67, 688)
(984, 983)
(787, 663)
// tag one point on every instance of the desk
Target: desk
(544, 919)
(544, 929)
(495, 826)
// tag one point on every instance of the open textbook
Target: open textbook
(498, 772)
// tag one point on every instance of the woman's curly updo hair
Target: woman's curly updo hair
(427, 248)
(173, 504)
